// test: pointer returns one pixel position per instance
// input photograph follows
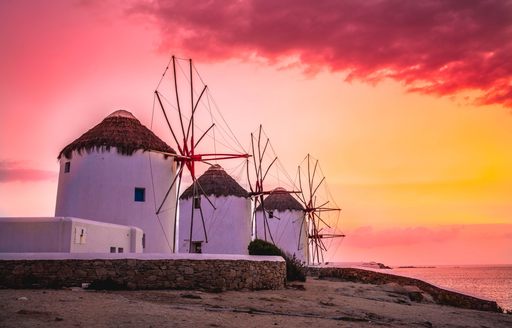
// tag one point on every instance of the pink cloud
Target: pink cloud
(432, 47)
(14, 171)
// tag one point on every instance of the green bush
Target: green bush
(295, 269)
(261, 247)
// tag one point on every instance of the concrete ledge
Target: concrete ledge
(142, 271)
(440, 295)
(136, 256)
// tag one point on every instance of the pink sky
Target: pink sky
(406, 104)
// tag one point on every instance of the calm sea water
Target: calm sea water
(489, 282)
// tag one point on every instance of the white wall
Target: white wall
(228, 227)
(67, 235)
(138, 256)
(285, 232)
(20, 235)
(100, 186)
(100, 237)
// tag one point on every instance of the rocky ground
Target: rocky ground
(316, 303)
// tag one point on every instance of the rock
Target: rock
(415, 296)
(22, 298)
(296, 286)
(411, 288)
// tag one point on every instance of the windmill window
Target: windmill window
(197, 201)
(270, 214)
(120, 250)
(112, 249)
(143, 240)
(140, 194)
(67, 167)
(197, 247)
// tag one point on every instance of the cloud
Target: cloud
(432, 47)
(13, 171)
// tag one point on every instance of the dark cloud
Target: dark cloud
(434, 47)
(14, 171)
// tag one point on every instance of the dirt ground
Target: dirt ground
(319, 303)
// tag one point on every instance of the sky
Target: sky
(407, 104)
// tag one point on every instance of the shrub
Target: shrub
(261, 247)
(295, 269)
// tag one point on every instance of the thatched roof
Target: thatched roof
(280, 200)
(121, 130)
(215, 181)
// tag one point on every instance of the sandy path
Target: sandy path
(321, 304)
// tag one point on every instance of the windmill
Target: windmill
(265, 163)
(321, 211)
(199, 139)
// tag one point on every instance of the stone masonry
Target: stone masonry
(209, 275)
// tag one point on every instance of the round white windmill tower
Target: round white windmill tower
(226, 211)
(116, 173)
(283, 219)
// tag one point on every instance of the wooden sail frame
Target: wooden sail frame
(187, 157)
(313, 210)
(257, 190)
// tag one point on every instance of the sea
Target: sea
(492, 282)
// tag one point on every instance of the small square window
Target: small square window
(67, 167)
(270, 214)
(197, 201)
(120, 250)
(197, 247)
(112, 249)
(140, 194)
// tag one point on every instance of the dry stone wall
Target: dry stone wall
(210, 275)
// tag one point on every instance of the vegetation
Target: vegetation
(261, 247)
(295, 269)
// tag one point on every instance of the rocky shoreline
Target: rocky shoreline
(417, 290)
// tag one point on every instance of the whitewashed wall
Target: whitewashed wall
(100, 186)
(100, 237)
(66, 235)
(228, 227)
(285, 232)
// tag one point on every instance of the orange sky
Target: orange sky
(422, 177)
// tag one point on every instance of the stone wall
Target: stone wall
(440, 296)
(208, 274)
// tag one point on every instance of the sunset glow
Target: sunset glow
(407, 107)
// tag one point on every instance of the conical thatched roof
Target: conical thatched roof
(121, 130)
(280, 200)
(215, 181)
